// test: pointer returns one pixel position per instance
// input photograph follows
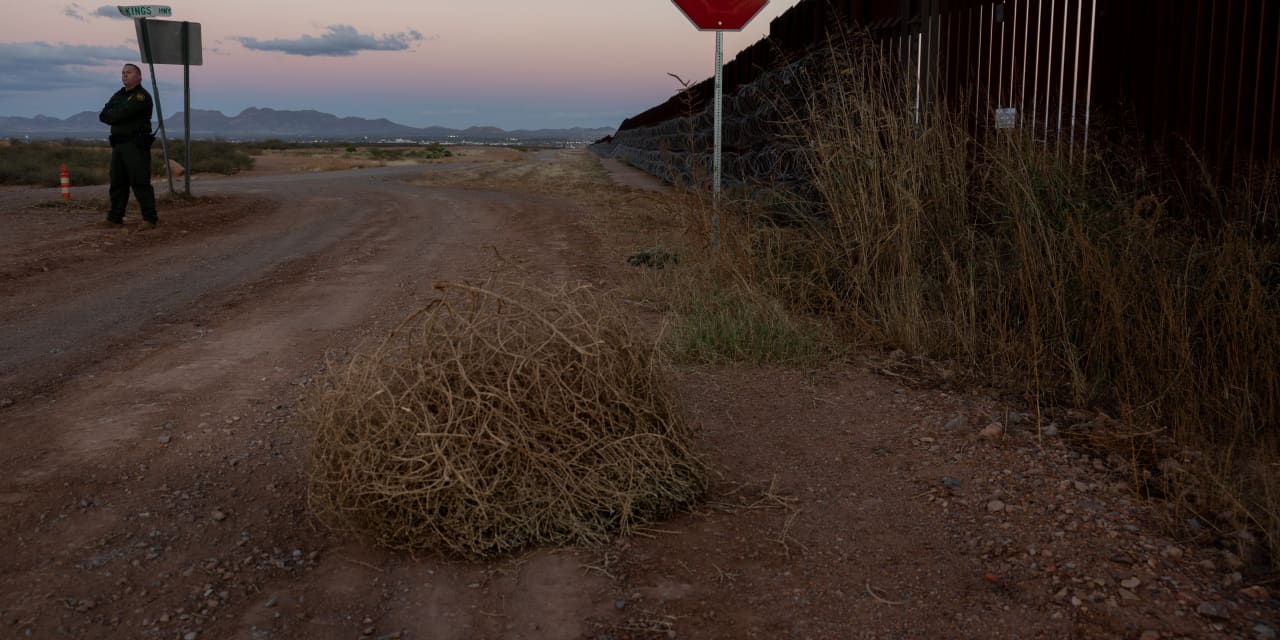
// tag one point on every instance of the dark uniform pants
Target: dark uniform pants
(131, 168)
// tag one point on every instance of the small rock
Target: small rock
(950, 482)
(1080, 486)
(1233, 561)
(1172, 552)
(191, 635)
(1256, 593)
(1050, 430)
(1263, 632)
(271, 602)
(165, 439)
(1212, 611)
(992, 431)
(995, 506)
(619, 604)
(957, 421)
(218, 515)
(6, 402)
(1130, 583)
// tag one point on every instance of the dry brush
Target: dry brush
(502, 416)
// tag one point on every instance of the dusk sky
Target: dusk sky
(515, 64)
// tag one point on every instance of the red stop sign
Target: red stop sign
(720, 15)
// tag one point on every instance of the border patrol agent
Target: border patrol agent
(129, 114)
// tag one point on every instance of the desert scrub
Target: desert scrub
(207, 156)
(430, 152)
(38, 163)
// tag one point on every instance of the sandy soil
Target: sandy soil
(149, 387)
(283, 161)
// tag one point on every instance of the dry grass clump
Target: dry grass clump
(1091, 288)
(500, 417)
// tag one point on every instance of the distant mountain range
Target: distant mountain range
(258, 124)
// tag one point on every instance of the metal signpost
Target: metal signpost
(167, 42)
(719, 16)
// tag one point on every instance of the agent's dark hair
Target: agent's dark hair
(135, 67)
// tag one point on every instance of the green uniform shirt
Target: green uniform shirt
(128, 112)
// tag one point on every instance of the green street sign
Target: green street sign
(145, 11)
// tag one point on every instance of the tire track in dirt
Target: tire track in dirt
(118, 305)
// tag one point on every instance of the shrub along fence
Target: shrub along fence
(1042, 234)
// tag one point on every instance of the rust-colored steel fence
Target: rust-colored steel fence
(1198, 75)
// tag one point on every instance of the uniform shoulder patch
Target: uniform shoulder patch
(140, 97)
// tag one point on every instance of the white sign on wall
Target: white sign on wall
(1006, 118)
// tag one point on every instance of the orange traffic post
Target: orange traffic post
(65, 180)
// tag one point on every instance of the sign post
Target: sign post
(719, 16)
(145, 39)
(718, 112)
(186, 108)
(168, 42)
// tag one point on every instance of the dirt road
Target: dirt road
(155, 460)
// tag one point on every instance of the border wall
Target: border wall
(1197, 76)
